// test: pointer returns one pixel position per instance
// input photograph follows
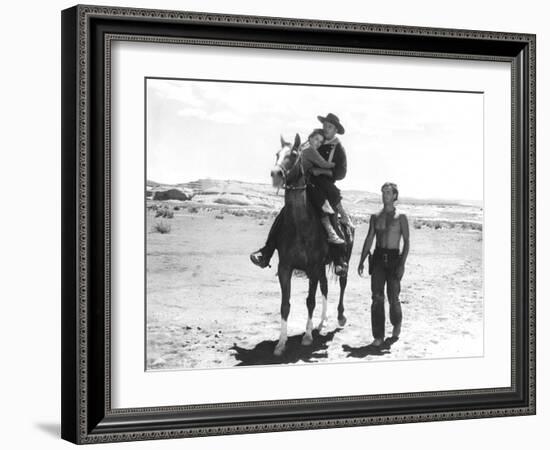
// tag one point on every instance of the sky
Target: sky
(429, 143)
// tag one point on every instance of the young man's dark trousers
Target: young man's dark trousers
(385, 263)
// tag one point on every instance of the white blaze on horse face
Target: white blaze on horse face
(277, 173)
(282, 154)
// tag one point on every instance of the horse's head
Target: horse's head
(285, 161)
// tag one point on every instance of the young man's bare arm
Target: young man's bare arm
(406, 241)
(406, 244)
(368, 244)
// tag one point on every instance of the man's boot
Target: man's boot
(346, 219)
(327, 208)
(333, 238)
(260, 259)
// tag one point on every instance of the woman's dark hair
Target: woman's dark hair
(316, 131)
(393, 187)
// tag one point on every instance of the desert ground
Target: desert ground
(208, 306)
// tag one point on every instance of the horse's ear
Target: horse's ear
(283, 142)
(297, 142)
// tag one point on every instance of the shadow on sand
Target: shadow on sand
(366, 350)
(295, 352)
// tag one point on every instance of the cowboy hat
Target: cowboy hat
(333, 119)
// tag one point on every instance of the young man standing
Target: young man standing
(388, 227)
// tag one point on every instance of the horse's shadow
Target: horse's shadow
(262, 353)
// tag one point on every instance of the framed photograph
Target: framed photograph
(280, 224)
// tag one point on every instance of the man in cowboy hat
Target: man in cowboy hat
(332, 151)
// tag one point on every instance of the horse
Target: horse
(302, 243)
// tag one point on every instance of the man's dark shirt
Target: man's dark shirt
(339, 173)
(339, 158)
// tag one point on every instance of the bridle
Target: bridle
(285, 173)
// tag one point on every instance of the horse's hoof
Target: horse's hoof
(321, 326)
(279, 350)
(307, 339)
(342, 321)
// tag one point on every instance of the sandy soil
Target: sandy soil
(209, 306)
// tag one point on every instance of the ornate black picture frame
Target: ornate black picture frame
(87, 33)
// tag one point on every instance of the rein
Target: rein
(285, 173)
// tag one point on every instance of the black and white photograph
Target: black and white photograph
(298, 223)
(282, 223)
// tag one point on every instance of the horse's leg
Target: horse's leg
(341, 317)
(323, 284)
(313, 281)
(285, 275)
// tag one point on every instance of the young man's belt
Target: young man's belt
(386, 254)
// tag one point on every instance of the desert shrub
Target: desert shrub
(471, 226)
(193, 209)
(261, 223)
(220, 216)
(162, 227)
(164, 212)
(176, 208)
(444, 224)
(237, 213)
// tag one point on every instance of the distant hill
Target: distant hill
(211, 185)
(248, 196)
